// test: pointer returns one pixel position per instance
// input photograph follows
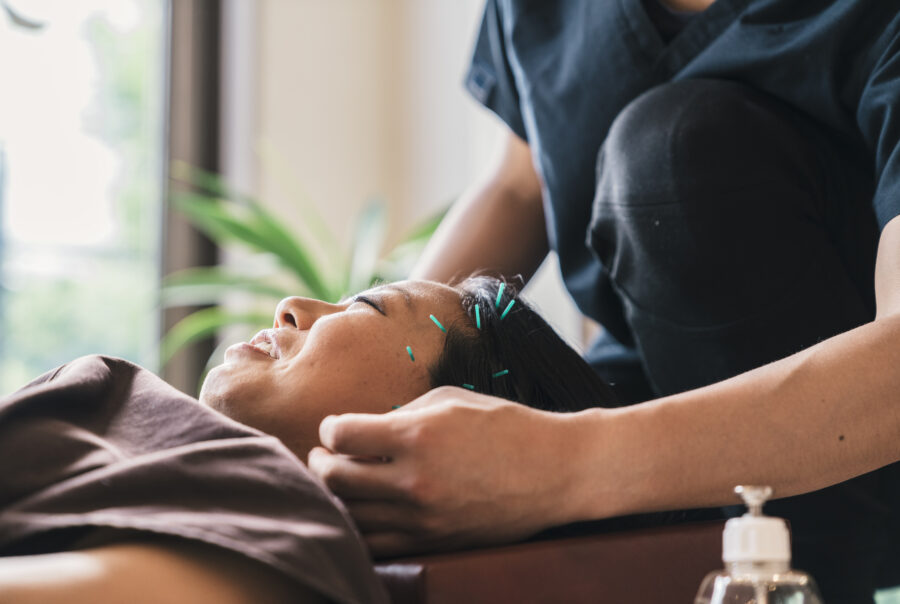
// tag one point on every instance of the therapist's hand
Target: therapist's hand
(457, 469)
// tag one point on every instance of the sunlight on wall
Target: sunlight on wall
(365, 99)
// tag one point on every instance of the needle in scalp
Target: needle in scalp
(438, 323)
(500, 294)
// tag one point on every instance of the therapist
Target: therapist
(721, 183)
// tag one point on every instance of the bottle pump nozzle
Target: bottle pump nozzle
(754, 497)
(756, 550)
(754, 537)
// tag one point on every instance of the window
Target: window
(81, 153)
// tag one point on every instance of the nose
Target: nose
(301, 313)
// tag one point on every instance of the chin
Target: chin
(225, 392)
(213, 392)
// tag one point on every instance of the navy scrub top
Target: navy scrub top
(558, 73)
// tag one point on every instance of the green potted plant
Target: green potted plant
(277, 262)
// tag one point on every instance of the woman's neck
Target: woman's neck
(688, 5)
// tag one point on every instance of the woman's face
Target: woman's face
(322, 358)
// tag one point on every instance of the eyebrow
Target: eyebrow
(407, 297)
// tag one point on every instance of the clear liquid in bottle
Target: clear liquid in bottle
(757, 555)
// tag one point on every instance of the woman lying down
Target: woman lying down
(115, 487)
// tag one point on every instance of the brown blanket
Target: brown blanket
(101, 448)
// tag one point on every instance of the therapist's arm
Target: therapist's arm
(469, 469)
(816, 418)
(496, 226)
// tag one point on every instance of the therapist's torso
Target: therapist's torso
(558, 73)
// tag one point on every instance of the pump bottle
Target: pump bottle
(756, 550)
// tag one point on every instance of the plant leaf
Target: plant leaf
(295, 252)
(208, 215)
(202, 324)
(399, 262)
(217, 189)
(209, 183)
(230, 217)
(401, 259)
(426, 228)
(367, 241)
(208, 285)
(254, 228)
(317, 225)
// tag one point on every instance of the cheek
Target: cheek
(372, 373)
(283, 402)
(274, 405)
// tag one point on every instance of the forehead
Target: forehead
(420, 290)
(420, 297)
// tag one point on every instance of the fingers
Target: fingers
(360, 434)
(368, 435)
(356, 479)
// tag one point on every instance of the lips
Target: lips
(265, 342)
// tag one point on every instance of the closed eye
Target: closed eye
(370, 302)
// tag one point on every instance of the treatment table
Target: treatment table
(663, 564)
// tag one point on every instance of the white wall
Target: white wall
(364, 98)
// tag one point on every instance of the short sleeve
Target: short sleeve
(489, 78)
(878, 117)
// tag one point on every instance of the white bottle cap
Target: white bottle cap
(754, 537)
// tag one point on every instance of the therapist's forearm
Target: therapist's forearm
(496, 227)
(814, 419)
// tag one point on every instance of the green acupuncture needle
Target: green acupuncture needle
(438, 323)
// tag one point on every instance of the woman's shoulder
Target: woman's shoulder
(110, 447)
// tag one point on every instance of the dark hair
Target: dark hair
(543, 371)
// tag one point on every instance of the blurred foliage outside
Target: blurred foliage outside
(59, 301)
